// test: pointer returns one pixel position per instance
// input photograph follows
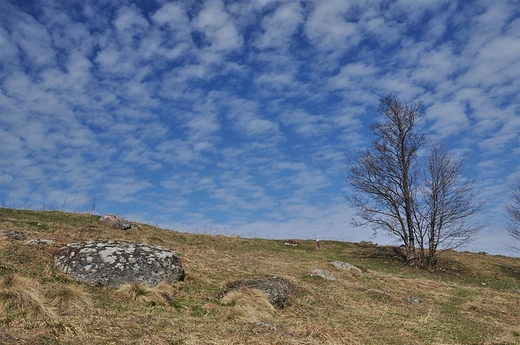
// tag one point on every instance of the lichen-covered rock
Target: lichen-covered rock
(114, 263)
(323, 273)
(346, 266)
(276, 289)
(116, 222)
(13, 234)
(367, 244)
(40, 242)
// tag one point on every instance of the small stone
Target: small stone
(323, 273)
(414, 300)
(115, 222)
(40, 242)
(346, 266)
(291, 243)
(379, 292)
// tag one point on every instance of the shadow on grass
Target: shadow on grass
(385, 255)
(394, 257)
(511, 272)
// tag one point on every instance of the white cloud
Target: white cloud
(124, 189)
(217, 26)
(449, 118)
(129, 20)
(307, 124)
(170, 13)
(328, 28)
(9, 51)
(33, 40)
(435, 66)
(352, 75)
(247, 118)
(279, 27)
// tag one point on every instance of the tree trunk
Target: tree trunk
(411, 255)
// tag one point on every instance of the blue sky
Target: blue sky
(234, 116)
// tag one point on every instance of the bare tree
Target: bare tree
(513, 215)
(384, 177)
(423, 202)
(446, 203)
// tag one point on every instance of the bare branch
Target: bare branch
(513, 215)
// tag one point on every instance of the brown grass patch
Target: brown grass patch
(19, 297)
(69, 298)
(249, 305)
(161, 294)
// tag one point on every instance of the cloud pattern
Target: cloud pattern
(235, 115)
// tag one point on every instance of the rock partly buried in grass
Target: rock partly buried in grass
(414, 300)
(323, 273)
(41, 242)
(277, 289)
(13, 234)
(114, 263)
(346, 266)
(115, 222)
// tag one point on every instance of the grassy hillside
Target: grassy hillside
(473, 299)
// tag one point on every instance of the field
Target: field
(472, 299)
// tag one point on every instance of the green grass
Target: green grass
(471, 299)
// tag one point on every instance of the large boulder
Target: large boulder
(116, 222)
(277, 289)
(114, 263)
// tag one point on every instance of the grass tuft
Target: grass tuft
(161, 294)
(69, 298)
(19, 298)
(249, 305)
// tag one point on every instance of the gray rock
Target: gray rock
(414, 300)
(40, 242)
(13, 234)
(367, 244)
(378, 292)
(115, 222)
(323, 273)
(346, 266)
(277, 289)
(114, 263)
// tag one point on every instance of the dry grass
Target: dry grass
(20, 299)
(69, 298)
(473, 299)
(249, 305)
(161, 294)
